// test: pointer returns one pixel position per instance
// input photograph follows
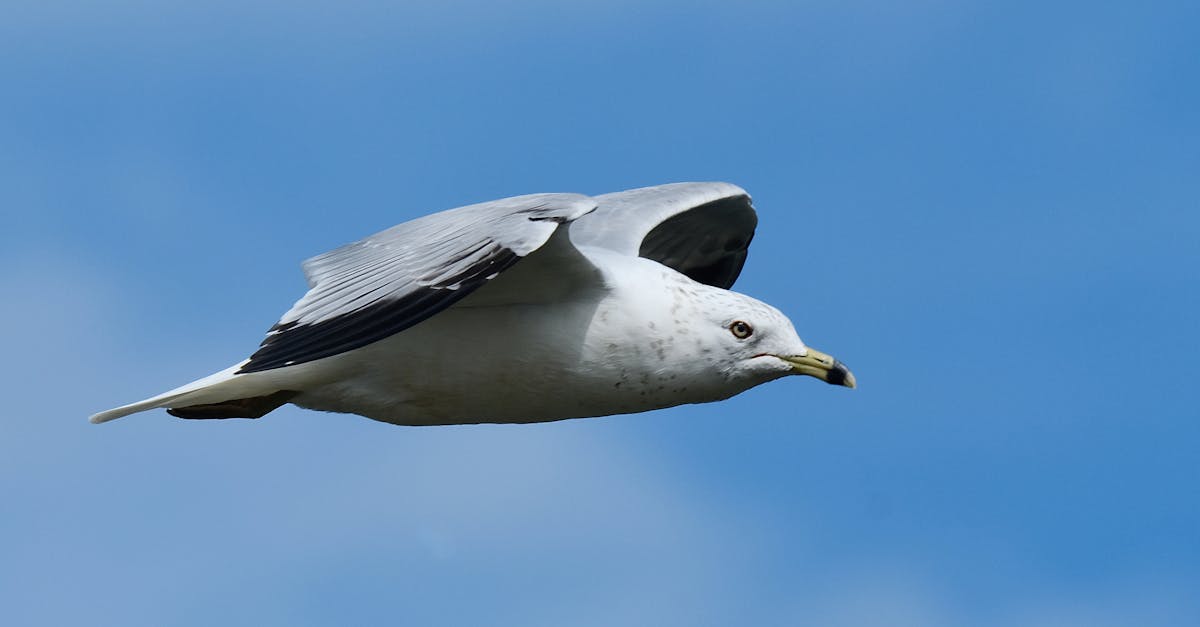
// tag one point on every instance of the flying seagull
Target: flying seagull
(526, 309)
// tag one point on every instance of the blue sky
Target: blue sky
(988, 210)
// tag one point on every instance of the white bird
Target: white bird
(526, 309)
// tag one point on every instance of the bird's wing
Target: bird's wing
(390, 281)
(702, 230)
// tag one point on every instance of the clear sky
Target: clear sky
(990, 211)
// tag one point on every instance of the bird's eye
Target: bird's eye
(740, 329)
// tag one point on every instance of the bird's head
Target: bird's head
(760, 344)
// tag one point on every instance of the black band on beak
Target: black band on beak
(837, 374)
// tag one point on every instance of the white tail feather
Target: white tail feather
(215, 388)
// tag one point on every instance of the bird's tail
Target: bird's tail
(220, 395)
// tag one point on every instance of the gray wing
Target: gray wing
(390, 281)
(702, 230)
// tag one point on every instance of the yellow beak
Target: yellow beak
(822, 366)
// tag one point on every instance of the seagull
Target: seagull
(526, 309)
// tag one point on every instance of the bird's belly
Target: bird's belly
(515, 364)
